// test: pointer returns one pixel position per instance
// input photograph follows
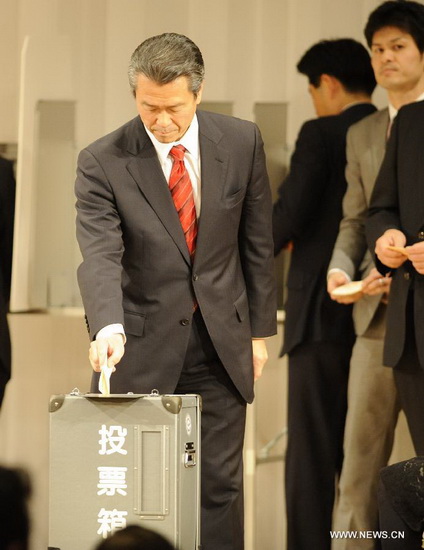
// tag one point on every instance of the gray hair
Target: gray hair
(166, 57)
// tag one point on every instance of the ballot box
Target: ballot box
(124, 459)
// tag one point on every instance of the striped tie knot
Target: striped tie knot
(177, 152)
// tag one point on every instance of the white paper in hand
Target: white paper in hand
(348, 289)
(104, 379)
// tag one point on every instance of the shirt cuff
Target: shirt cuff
(337, 270)
(110, 330)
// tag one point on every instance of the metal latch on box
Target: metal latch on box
(189, 455)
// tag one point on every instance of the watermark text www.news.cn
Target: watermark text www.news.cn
(367, 535)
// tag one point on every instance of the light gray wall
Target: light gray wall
(78, 51)
(250, 47)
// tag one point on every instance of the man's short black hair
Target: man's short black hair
(135, 537)
(402, 14)
(345, 59)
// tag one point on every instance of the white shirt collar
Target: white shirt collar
(393, 111)
(354, 103)
(190, 140)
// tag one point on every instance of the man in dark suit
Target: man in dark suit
(7, 211)
(318, 333)
(395, 36)
(396, 219)
(192, 303)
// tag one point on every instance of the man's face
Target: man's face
(397, 62)
(166, 109)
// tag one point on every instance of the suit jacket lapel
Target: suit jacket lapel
(214, 163)
(379, 138)
(145, 168)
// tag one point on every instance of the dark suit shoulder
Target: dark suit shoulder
(323, 132)
(410, 119)
(216, 126)
(405, 146)
(224, 121)
(415, 109)
(346, 118)
(121, 138)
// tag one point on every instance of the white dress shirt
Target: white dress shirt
(190, 141)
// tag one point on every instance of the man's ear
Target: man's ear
(199, 94)
(331, 84)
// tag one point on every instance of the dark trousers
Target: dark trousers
(317, 402)
(409, 378)
(223, 424)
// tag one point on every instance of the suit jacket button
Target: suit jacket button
(407, 276)
(184, 322)
(195, 277)
(421, 235)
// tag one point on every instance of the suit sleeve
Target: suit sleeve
(351, 244)
(7, 213)
(383, 213)
(256, 247)
(100, 239)
(301, 191)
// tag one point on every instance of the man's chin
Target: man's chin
(166, 137)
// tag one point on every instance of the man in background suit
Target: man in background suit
(7, 212)
(318, 334)
(395, 34)
(192, 311)
(396, 219)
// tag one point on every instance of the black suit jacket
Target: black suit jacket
(307, 213)
(136, 268)
(7, 209)
(398, 202)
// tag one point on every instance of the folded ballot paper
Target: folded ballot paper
(104, 379)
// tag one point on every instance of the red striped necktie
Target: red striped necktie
(182, 195)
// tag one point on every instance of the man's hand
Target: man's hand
(336, 279)
(391, 258)
(110, 350)
(260, 356)
(416, 256)
(374, 283)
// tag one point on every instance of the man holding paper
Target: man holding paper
(174, 224)
(395, 35)
(395, 229)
